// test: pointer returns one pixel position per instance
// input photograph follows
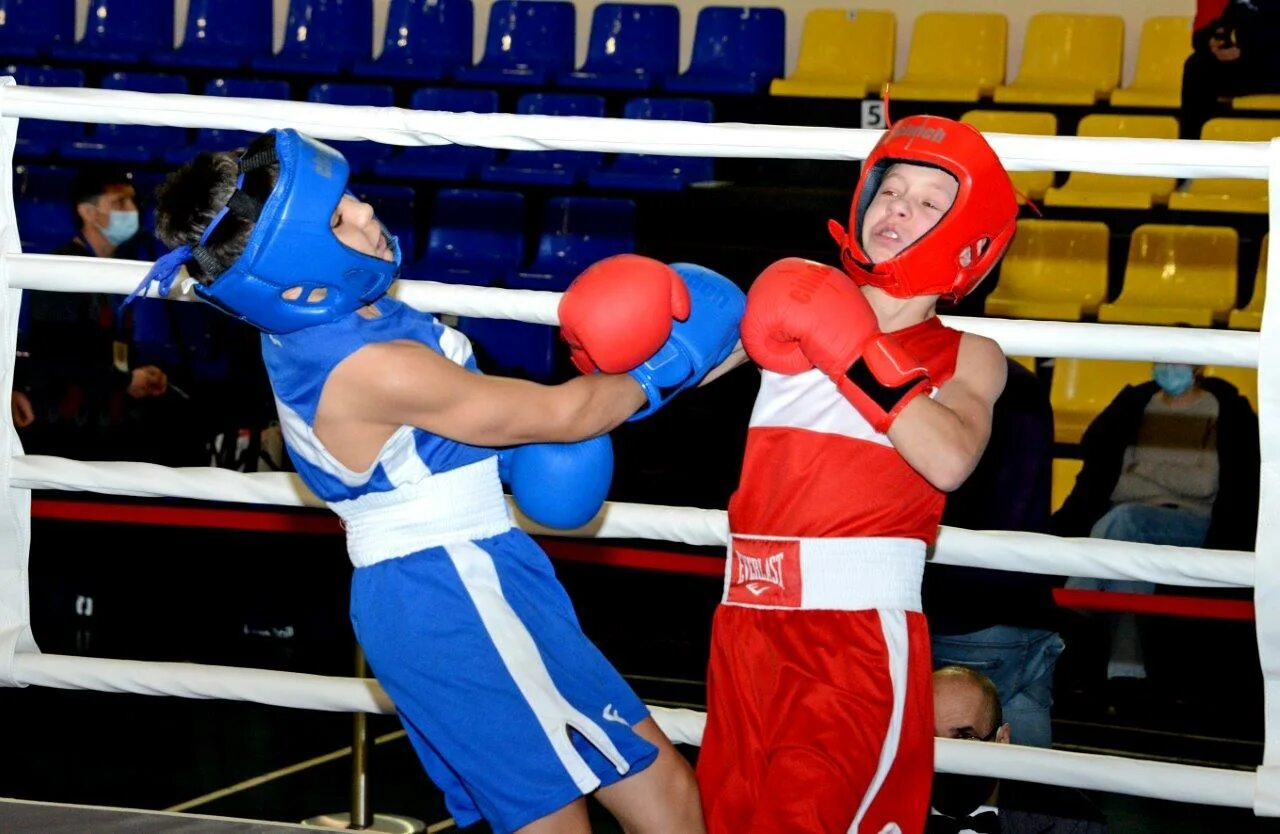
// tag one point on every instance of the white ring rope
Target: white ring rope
(1012, 551)
(1016, 337)
(398, 126)
(1208, 786)
(1026, 552)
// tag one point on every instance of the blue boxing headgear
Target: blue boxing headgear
(291, 249)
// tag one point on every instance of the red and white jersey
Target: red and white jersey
(814, 466)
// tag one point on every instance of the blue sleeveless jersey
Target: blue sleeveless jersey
(299, 364)
(512, 711)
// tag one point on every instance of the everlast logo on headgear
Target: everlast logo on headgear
(929, 134)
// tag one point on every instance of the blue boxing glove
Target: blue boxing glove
(697, 344)
(559, 485)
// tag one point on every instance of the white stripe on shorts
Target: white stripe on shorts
(520, 655)
(896, 640)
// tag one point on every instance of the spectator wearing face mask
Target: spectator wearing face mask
(83, 396)
(966, 707)
(1173, 461)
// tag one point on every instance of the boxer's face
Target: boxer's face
(356, 228)
(910, 201)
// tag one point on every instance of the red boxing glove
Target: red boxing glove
(803, 315)
(618, 312)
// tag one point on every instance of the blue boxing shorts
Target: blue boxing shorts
(512, 710)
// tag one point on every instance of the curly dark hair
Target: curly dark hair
(189, 197)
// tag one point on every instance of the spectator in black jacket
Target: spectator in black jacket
(84, 398)
(1174, 461)
(1234, 54)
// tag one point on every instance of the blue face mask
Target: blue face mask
(122, 226)
(1174, 380)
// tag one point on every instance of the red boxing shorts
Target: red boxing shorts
(818, 720)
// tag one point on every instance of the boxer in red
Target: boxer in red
(869, 411)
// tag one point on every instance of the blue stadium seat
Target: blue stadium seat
(559, 168)
(221, 35)
(153, 340)
(33, 28)
(577, 232)
(511, 348)
(145, 182)
(396, 207)
(42, 200)
(649, 172)
(122, 32)
(42, 137)
(131, 143)
(633, 46)
(179, 336)
(361, 155)
(43, 182)
(454, 163)
(219, 139)
(477, 237)
(322, 37)
(426, 40)
(736, 49)
(528, 42)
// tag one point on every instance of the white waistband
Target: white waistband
(463, 504)
(851, 574)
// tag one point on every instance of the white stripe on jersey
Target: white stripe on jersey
(455, 346)
(399, 455)
(810, 401)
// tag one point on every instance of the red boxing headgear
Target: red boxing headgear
(946, 259)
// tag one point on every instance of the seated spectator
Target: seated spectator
(1235, 54)
(966, 706)
(1004, 623)
(84, 399)
(1173, 461)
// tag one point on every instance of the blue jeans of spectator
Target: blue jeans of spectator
(1150, 525)
(1020, 661)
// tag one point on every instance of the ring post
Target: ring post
(361, 818)
(15, 504)
(1267, 546)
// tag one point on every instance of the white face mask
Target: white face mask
(122, 226)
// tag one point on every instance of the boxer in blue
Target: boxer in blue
(513, 712)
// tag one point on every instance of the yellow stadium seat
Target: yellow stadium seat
(937, 71)
(1250, 317)
(1162, 52)
(1177, 275)
(1081, 388)
(1065, 471)
(844, 53)
(1031, 183)
(1067, 59)
(1244, 379)
(1229, 194)
(1259, 102)
(1117, 190)
(1054, 269)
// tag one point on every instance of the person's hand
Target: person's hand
(147, 381)
(1222, 47)
(23, 414)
